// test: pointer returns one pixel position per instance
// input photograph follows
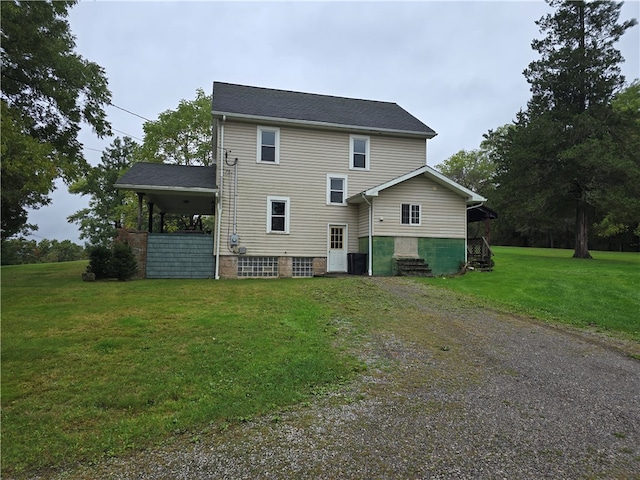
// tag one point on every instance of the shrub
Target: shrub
(118, 262)
(100, 258)
(123, 263)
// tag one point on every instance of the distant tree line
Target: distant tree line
(17, 251)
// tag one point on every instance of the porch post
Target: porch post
(140, 195)
(161, 222)
(150, 204)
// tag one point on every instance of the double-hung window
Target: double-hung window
(410, 214)
(278, 214)
(268, 147)
(336, 189)
(359, 153)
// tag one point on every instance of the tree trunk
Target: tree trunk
(582, 231)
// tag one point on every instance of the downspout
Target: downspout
(466, 233)
(369, 259)
(219, 210)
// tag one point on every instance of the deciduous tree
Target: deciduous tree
(108, 207)
(48, 91)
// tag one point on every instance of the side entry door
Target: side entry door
(337, 252)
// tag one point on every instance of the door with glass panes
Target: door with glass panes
(337, 252)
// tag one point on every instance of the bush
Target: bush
(123, 263)
(100, 259)
(118, 262)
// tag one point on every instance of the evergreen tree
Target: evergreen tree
(567, 150)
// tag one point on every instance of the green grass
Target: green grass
(603, 292)
(95, 369)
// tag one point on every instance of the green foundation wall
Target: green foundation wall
(444, 255)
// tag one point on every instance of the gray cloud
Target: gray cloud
(457, 66)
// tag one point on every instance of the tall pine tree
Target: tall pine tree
(567, 148)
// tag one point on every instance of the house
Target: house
(307, 184)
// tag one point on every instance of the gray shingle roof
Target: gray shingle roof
(168, 175)
(231, 99)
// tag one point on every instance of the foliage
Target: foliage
(547, 284)
(115, 262)
(108, 207)
(100, 258)
(123, 262)
(47, 92)
(16, 251)
(99, 369)
(472, 169)
(568, 155)
(181, 136)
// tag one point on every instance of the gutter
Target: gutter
(327, 125)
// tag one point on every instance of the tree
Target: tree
(472, 169)
(181, 136)
(566, 151)
(47, 92)
(107, 205)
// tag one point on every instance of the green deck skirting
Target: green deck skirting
(180, 256)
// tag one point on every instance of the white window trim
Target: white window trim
(367, 152)
(287, 214)
(260, 129)
(344, 191)
(411, 224)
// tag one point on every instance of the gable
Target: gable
(240, 101)
(428, 172)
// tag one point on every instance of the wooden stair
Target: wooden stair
(412, 267)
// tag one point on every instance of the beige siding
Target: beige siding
(443, 213)
(306, 157)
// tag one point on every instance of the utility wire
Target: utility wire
(135, 114)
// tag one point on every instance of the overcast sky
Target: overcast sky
(457, 66)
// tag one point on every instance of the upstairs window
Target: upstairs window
(277, 214)
(410, 214)
(336, 189)
(268, 148)
(359, 153)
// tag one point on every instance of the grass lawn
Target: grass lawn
(94, 369)
(603, 292)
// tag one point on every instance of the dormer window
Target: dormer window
(268, 148)
(359, 153)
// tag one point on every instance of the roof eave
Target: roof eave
(326, 125)
(164, 188)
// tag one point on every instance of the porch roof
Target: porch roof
(427, 171)
(182, 189)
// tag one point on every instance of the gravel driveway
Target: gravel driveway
(473, 394)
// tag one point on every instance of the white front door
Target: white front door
(337, 253)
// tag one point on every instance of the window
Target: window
(359, 153)
(410, 214)
(268, 148)
(257, 266)
(277, 215)
(336, 189)
(302, 267)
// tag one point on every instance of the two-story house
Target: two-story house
(307, 184)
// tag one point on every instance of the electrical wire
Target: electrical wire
(130, 112)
